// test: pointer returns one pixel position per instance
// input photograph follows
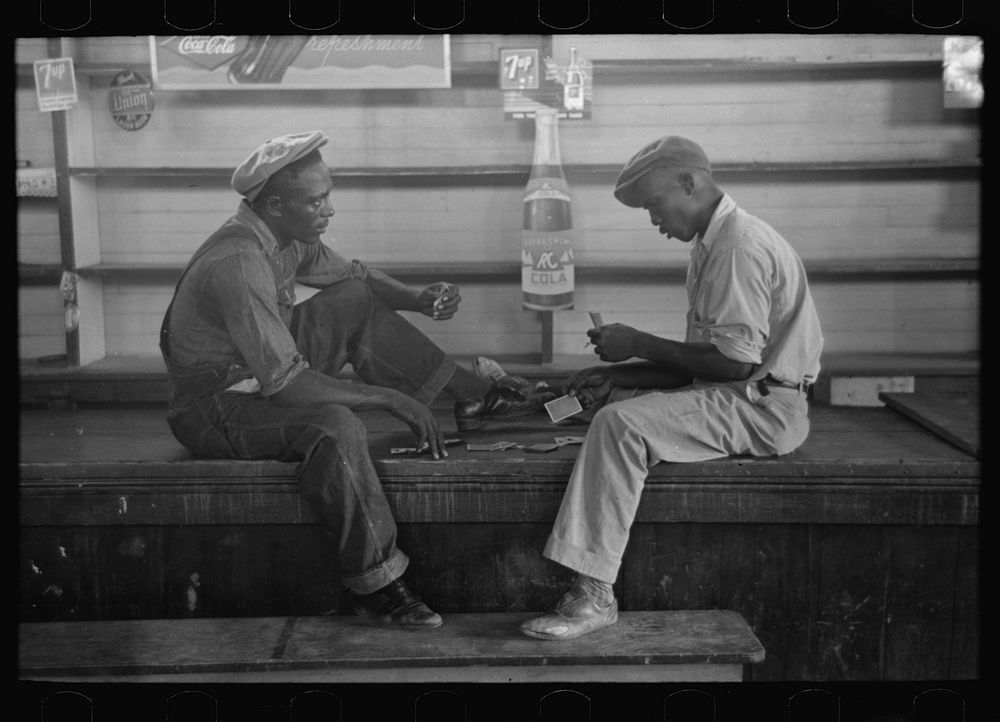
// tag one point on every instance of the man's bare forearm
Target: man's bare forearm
(694, 360)
(646, 375)
(395, 294)
(311, 388)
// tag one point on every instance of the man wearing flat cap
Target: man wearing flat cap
(253, 374)
(735, 386)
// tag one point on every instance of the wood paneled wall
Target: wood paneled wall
(145, 220)
(861, 108)
(41, 323)
(39, 309)
(829, 602)
(878, 316)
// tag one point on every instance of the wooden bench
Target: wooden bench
(866, 537)
(667, 646)
(953, 417)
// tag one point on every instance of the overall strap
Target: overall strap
(238, 231)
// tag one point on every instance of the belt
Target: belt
(769, 381)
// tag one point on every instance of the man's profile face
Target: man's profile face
(669, 204)
(306, 207)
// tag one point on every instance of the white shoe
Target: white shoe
(577, 614)
(490, 370)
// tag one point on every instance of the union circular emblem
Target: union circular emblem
(131, 100)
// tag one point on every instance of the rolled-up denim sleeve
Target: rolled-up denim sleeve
(244, 288)
(320, 265)
(736, 309)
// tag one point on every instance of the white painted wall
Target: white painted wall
(886, 113)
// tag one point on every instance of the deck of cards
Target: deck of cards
(563, 408)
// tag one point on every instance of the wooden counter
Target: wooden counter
(853, 558)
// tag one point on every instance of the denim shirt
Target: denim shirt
(232, 308)
(748, 296)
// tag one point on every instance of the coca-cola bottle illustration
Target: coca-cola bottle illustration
(266, 58)
(546, 239)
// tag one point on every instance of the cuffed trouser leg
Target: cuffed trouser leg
(336, 475)
(627, 437)
(340, 483)
(592, 527)
(347, 323)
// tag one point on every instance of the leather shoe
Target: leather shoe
(508, 396)
(394, 604)
(577, 614)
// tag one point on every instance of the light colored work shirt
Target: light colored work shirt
(235, 302)
(748, 295)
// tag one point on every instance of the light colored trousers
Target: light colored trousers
(638, 428)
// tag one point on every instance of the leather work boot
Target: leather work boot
(506, 398)
(576, 614)
(394, 604)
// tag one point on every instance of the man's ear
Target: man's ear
(686, 181)
(272, 206)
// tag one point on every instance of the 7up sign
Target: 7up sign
(55, 84)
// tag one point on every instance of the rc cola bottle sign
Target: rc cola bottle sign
(546, 238)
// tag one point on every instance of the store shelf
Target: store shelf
(38, 274)
(500, 272)
(80, 173)
(518, 173)
(893, 269)
(143, 379)
(487, 70)
(839, 270)
(36, 182)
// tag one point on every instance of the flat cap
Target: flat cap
(667, 152)
(250, 177)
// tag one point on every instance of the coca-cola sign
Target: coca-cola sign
(207, 45)
(206, 51)
(202, 62)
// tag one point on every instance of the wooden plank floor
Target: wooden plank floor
(703, 644)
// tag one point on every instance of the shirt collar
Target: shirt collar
(246, 215)
(726, 206)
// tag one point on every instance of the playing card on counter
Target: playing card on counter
(425, 450)
(540, 448)
(495, 446)
(563, 408)
(482, 447)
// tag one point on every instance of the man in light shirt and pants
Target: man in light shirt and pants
(735, 386)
